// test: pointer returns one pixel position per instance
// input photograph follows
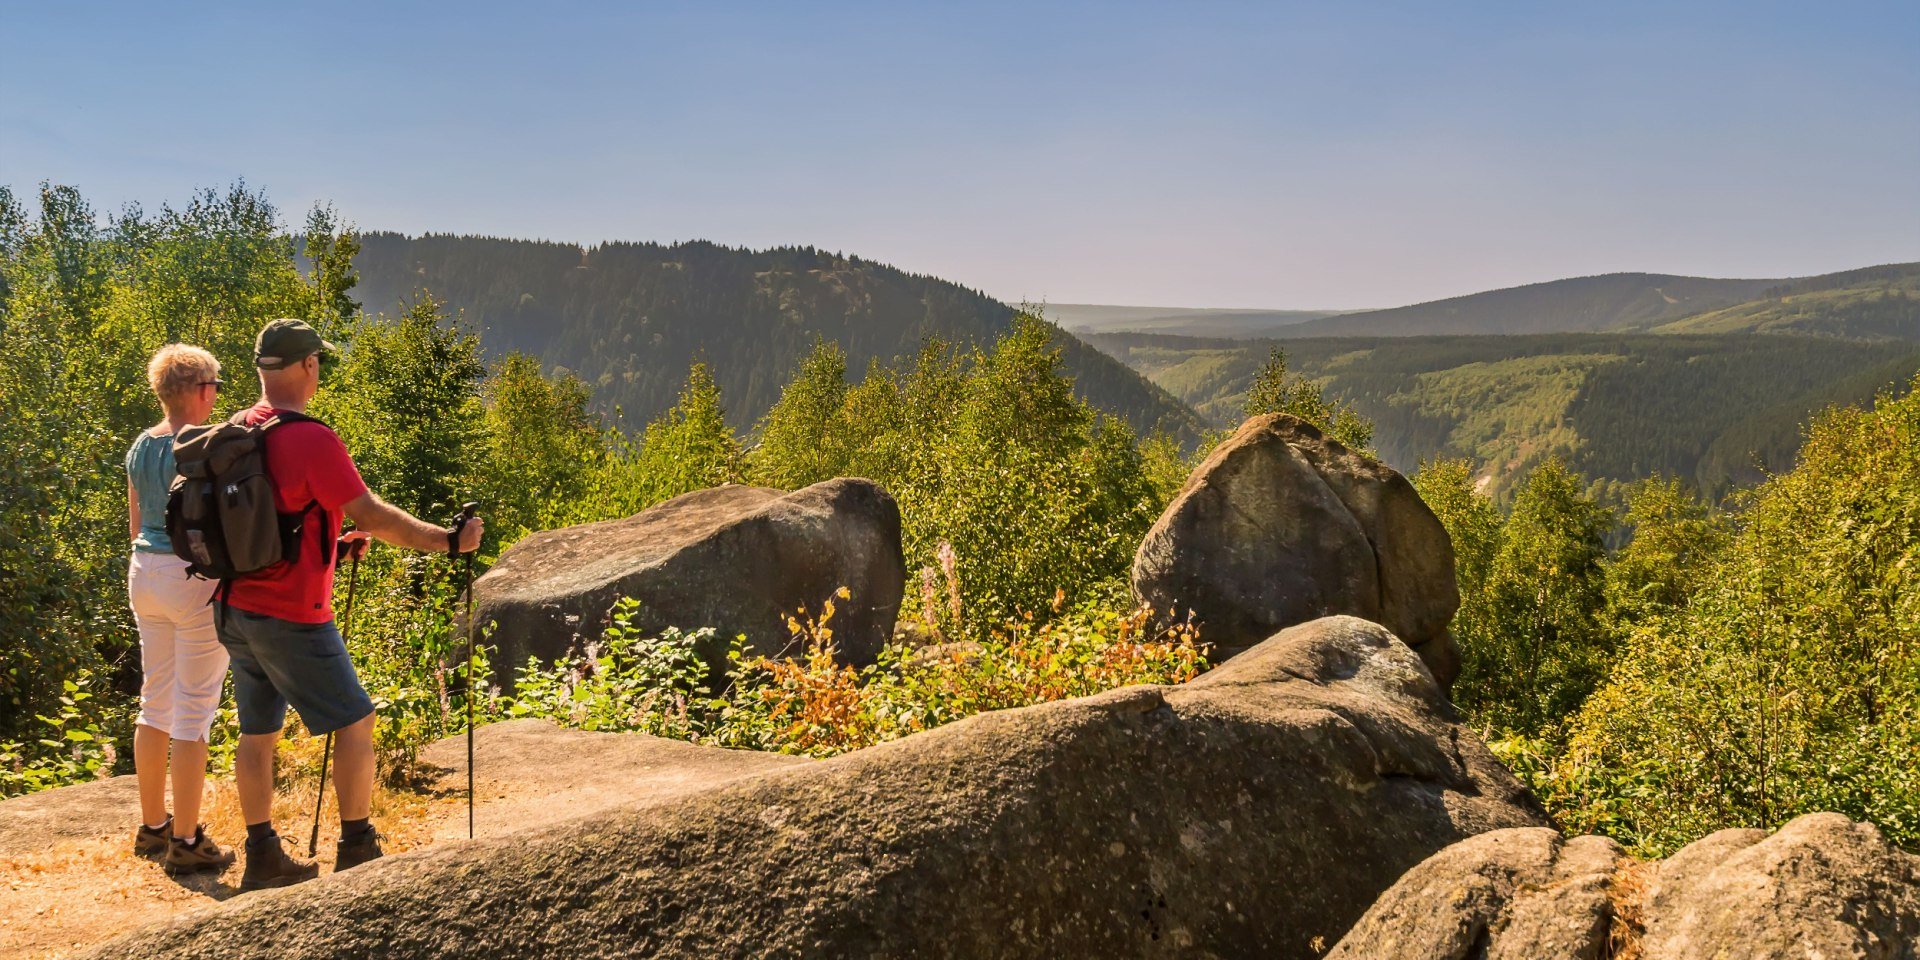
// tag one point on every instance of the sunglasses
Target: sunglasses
(216, 383)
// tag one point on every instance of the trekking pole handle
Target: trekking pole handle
(467, 512)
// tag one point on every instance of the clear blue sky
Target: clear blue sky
(1257, 154)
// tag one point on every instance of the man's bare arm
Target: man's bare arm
(396, 526)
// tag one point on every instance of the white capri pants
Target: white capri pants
(181, 660)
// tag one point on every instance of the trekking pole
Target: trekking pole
(467, 511)
(326, 752)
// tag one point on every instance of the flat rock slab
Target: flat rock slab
(1256, 811)
(532, 773)
(86, 811)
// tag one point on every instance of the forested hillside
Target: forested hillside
(628, 318)
(1718, 411)
(1607, 302)
(1877, 302)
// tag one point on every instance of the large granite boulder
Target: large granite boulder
(1823, 886)
(1520, 894)
(1254, 812)
(1282, 525)
(739, 559)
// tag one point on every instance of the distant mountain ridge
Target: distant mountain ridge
(1870, 302)
(1185, 321)
(1578, 305)
(630, 318)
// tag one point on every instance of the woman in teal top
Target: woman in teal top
(182, 663)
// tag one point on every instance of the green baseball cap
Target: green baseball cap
(287, 341)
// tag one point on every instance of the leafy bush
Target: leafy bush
(626, 681)
(813, 705)
(73, 744)
(1790, 681)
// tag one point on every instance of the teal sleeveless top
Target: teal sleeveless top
(150, 469)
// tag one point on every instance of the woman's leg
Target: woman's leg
(200, 668)
(151, 728)
(150, 769)
(189, 785)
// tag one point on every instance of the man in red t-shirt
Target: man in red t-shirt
(277, 624)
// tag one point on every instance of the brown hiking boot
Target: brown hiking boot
(201, 854)
(269, 866)
(148, 842)
(359, 850)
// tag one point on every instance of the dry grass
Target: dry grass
(1628, 891)
(79, 893)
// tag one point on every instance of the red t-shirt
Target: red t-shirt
(308, 463)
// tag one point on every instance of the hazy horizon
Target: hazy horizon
(1220, 156)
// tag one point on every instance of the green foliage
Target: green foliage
(690, 447)
(1474, 525)
(1790, 681)
(542, 447)
(411, 654)
(405, 399)
(69, 746)
(1273, 391)
(1541, 646)
(1001, 473)
(1675, 540)
(85, 305)
(814, 706)
(628, 681)
(801, 439)
(329, 247)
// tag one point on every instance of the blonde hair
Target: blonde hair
(177, 369)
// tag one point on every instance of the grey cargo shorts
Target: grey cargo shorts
(278, 662)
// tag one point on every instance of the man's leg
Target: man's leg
(253, 777)
(353, 769)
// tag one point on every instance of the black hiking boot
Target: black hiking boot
(201, 854)
(269, 866)
(149, 842)
(355, 851)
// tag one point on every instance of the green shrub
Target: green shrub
(74, 742)
(1790, 681)
(813, 705)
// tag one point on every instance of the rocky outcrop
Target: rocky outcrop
(1256, 811)
(1282, 525)
(1507, 895)
(1823, 886)
(739, 559)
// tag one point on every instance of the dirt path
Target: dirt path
(68, 877)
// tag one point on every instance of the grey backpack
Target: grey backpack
(222, 515)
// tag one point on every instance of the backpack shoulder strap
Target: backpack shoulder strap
(281, 417)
